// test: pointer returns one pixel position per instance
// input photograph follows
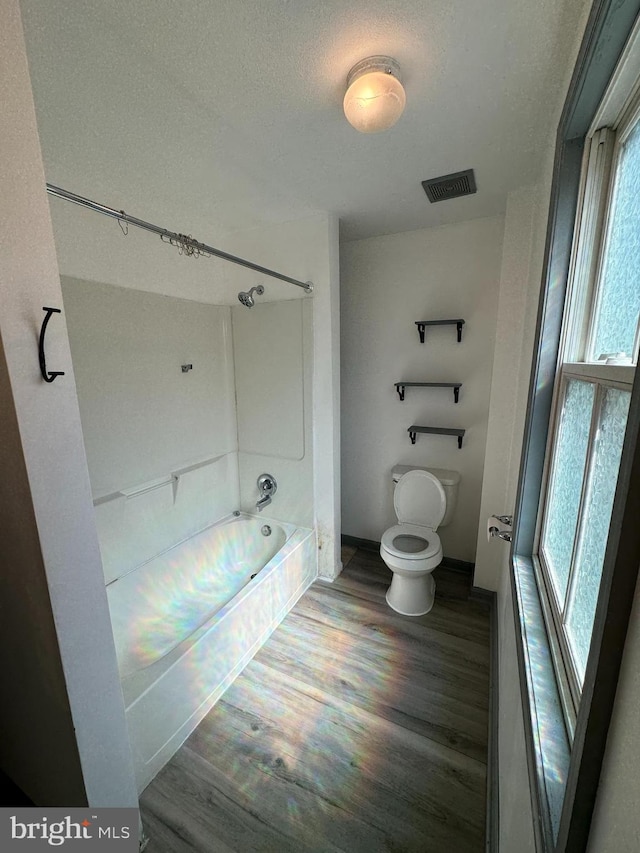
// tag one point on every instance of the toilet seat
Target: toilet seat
(431, 539)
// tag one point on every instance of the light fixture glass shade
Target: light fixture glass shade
(375, 97)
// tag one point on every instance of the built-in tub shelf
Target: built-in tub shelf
(414, 430)
(422, 324)
(400, 386)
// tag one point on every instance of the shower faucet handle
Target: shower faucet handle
(267, 484)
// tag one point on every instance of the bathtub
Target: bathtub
(186, 623)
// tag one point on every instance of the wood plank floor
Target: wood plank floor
(353, 729)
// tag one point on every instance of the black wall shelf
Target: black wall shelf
(400, 386)
(422, 324)
(414, 430)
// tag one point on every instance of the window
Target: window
(598, 353)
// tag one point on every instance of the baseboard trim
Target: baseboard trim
(486, 596)
(372, 545)
(493, 790)
(356, 542)
(458, 565)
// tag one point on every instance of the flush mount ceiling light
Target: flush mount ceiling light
(375, 96)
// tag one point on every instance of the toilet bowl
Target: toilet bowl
(412, 548)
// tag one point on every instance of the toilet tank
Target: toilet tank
(449, 479)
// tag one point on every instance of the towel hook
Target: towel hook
(46, 375)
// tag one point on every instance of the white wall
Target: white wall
(326, 407)
(616, 819)
(273, 354)
(517, 304)
(64, 738)
(144, 421)
(521, 271)
(388, 283)
(515, 323)
(525, 229)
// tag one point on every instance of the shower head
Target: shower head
(247, 298)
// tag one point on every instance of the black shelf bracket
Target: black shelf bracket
(400, 390)
(48, 376)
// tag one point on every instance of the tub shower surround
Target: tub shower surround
(171, 452)
(187, 622)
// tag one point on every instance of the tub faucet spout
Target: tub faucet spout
(263, 502)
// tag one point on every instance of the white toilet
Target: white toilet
(424, 499)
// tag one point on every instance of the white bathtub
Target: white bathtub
(187, 622)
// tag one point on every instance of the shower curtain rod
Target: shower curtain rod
(182, 241)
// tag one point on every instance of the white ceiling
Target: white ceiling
(208, 116)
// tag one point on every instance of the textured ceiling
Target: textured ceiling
(208, 117)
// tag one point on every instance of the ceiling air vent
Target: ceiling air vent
(450, 186)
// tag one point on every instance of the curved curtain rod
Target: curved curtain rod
(187, 243)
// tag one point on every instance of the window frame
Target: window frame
(596, 199)
(564, 771)
(595, 202)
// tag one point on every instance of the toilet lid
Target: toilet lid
(419, 498)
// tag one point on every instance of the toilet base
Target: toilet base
(411, 596)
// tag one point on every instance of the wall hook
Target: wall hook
(46, 375)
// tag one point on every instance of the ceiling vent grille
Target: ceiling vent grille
(450, 186)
